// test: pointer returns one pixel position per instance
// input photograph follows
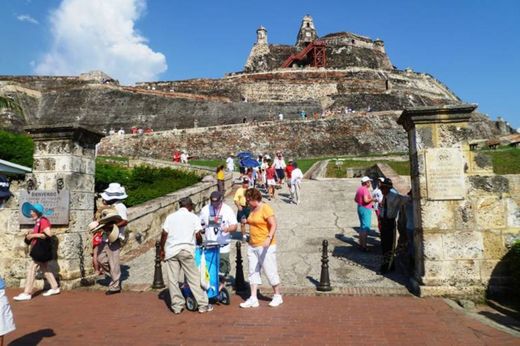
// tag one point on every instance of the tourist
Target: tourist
(6, 316)
(177, 250)
(261, 249)
(270, 176)
(230, 163)
(280, 116)
(220, 221)
(176, 156)
(41, 252)
(108, 250)
(220, 179)
(296, 181)
(279, 166)
(184, 157)
(392, 202)
(288, 170)
(377, 197)
(364, 202)
(242, 207)
(260, 178)
(121, 132)
(111, 132)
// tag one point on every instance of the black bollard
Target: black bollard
(240, 284)
(324, 285)
(158, 281)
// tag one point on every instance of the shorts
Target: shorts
(244, 212)
(271, 182)
(6, 315)
(280, 173)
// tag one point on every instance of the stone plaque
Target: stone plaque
(56, 201)
(445, 174)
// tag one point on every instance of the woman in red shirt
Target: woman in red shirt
(270, 176)
(40, 232)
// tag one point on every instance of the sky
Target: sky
(472, 46)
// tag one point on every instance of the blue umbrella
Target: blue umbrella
(249, 162)
(244, 154)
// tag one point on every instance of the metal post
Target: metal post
(240, 284)
(158, 281)
(324, 285)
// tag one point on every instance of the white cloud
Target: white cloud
(100, 35)
(27, 18)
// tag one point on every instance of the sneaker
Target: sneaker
(209, 308)
(22, 296)
(177, 312)
(277, 300)
(250, 303)
(51, 292)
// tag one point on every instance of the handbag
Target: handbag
(41, 251)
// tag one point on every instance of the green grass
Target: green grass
(143, 183)
(208, 163)
(505, 161)
(333, 171)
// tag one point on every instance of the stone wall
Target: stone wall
(358, 133)
(465, 216)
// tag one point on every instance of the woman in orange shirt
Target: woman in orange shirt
(261, 251)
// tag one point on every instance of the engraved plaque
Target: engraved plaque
(445, 174)
(57, 202)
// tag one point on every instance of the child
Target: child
(220, 179)
(6, 315)
(97, 239)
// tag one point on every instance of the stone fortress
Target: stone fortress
(331, 74)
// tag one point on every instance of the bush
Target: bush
(143, 183)
(16, 148)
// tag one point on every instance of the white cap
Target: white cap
(381, 179)
(365, 179)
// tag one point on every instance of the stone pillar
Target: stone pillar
(448, 243)
(64, 160)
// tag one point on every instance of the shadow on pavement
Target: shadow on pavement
(503, 320)
(164, 295)
(33, 338)
(370, 260)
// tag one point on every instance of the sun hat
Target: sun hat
(216, 196)
(365, 179)
(114, 191)
(112, 234)
(109, 215)
(38, 208)
(4, 187)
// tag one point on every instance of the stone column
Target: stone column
(64, 160)
(447, 243)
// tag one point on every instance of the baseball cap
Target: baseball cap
(365, 179)
(215, 196)
(381, 179)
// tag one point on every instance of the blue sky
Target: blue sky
(473, 46)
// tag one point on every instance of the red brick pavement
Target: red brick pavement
(131, 318)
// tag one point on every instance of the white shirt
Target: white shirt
(184, 158)
(296, 176)
(217, 220)
(121, 210)
(230, 163)
(181, 227)
(278, 163)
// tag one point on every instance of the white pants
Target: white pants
(6, 315)
(262, 258)
(295, 192)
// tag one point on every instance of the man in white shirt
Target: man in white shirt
(184, 157)
(230, 164)
(296, 180)
(220, 221)
(279, 166)
(178, 251)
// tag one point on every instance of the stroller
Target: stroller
(208, 252)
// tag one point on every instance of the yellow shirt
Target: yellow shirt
(240, 197)
(220, 175)
(258, 226)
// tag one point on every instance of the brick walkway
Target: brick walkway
(131, 318)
